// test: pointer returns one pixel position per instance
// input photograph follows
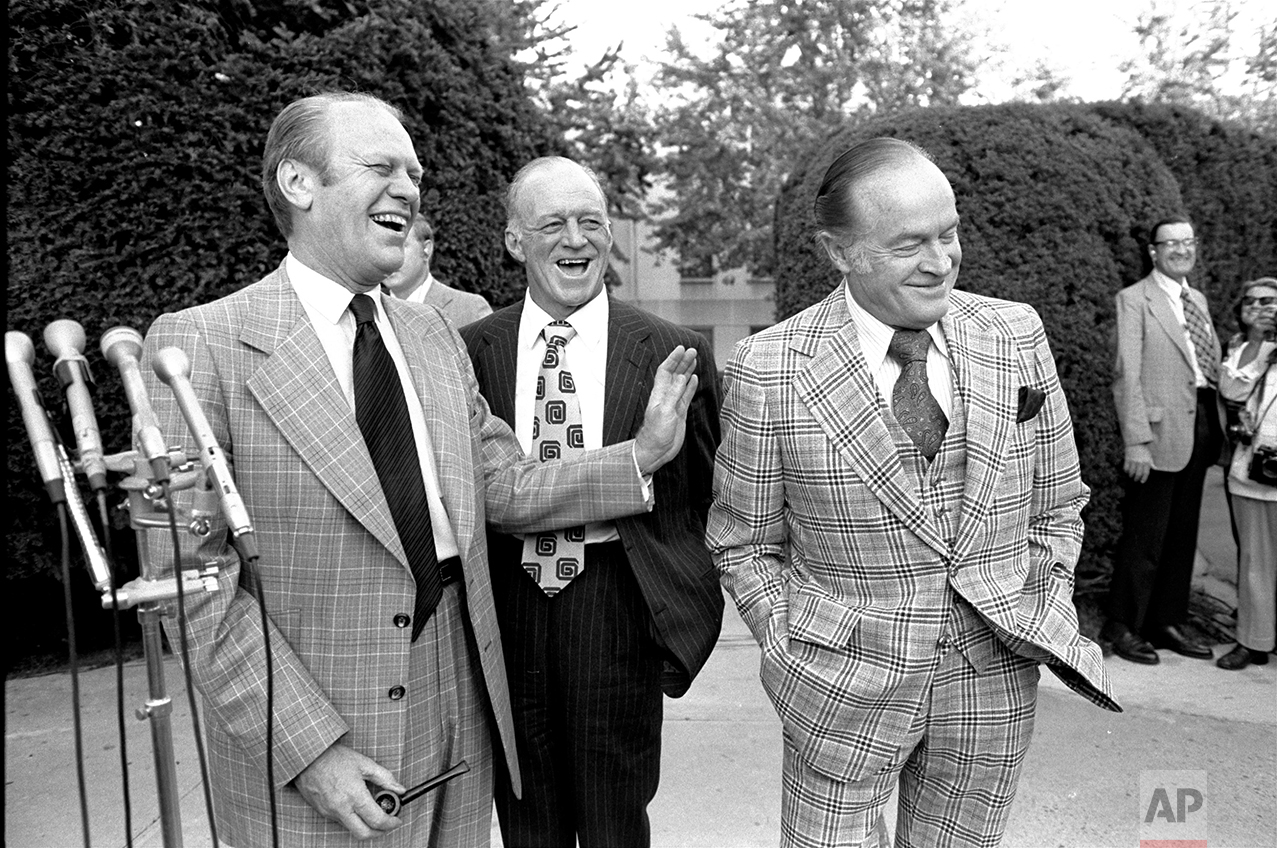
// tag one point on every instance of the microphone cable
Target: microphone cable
(64, 525)
(184, 648)
(270, 709)
(104, 522)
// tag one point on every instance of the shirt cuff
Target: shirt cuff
(645, 480)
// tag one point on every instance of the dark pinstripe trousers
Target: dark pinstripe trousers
(585, 692)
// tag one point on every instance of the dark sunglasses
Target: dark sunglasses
(1259, 301)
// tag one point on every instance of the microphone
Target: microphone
(65, 340)
(19, 354)
(122, 347)
(172, 366)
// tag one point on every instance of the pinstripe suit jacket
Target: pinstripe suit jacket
(665, 547)
(1153, 383)
(331, 564)
(822, 539)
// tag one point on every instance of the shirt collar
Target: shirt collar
(875, 336)
(323, 296)
(1166, 284)
(589, 321)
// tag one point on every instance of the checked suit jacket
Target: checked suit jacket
(331, 566)
(665, 547)
(834, 562)
(1153, 383)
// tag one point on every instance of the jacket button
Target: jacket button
(397, 693)
(402, 621)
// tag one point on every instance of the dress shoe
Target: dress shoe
(1240, 657)
(1170, 636)
(1128, 646)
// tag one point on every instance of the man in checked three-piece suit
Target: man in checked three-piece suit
(620, 611)
(896, 513)
(370, 467)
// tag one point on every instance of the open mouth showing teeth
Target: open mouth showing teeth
(574, 266)
(394, 223)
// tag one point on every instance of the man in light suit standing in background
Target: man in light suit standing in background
(896, 514)
(1164, 386)
(415, 283)
(591, 648)
(370, 467)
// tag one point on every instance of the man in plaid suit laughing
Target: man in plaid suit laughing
(896, 514)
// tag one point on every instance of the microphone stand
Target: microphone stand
(149, 508)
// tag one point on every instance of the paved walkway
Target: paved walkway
(720, 783)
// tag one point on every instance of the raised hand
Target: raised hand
(665, 420)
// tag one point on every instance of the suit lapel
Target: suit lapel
(1160, 306)
(499, 360)
(839, 391)
(429, 347)
(628, 362)
(439, 295)
(987, 379)
(299, 392)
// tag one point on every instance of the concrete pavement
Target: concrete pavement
(720, 782)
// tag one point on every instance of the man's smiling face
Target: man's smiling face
(561, 233)
(357, 223)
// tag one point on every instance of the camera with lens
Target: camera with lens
(1263, 465)
(1240, 434)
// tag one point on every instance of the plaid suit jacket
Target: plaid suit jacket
(331, 566)
(821, 539)
(665, 547)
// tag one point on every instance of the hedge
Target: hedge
(135, 137)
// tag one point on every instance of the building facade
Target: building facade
(724, 306)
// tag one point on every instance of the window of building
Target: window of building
(696, 272)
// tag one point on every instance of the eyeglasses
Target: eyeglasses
(1259, 301)
(1172, 243)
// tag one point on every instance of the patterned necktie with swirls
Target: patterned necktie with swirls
(553, 558)
(915, 408)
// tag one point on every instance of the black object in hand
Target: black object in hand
(392, 802)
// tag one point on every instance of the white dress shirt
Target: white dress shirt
(875, 338)
(586, 358)
(1174, 293)
(327, 304)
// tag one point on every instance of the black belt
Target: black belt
(450, 571)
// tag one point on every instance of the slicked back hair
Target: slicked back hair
(835, 206)
(300, 132)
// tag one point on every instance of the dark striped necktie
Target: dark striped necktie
(382, 413)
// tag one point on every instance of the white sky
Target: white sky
(1085, 39)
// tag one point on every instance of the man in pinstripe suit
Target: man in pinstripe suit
(588, 661)
(366, 688)
(904, 582)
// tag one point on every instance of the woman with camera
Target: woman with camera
(1248, 378)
